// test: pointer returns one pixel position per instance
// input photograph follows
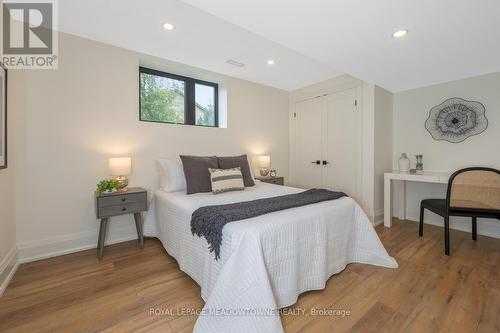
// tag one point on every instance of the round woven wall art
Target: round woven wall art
(456, 119)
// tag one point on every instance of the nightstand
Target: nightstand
(272, 180)
(133, 201)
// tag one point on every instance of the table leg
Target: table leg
(138, 226)
(387, 202)
(474, 228)
(102, 236)
(401, 192)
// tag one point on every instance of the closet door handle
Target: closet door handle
(318, 162)
(326, 162)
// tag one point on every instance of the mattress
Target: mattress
(267, 261)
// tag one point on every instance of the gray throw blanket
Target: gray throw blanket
(208, 221)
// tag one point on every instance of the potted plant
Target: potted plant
(107, 186)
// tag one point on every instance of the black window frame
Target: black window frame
(189, 97)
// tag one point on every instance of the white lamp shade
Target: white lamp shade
(264, 161)
(120, 166)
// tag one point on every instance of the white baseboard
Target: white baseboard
(485, 227)
(379, 217)
(61, 245)
(8, 267)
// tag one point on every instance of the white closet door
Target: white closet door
(308, 143)
(341, 141)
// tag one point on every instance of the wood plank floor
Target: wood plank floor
(429, 292)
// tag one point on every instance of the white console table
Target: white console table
(400, 178)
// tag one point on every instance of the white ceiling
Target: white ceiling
(448, 39)
(199, 39)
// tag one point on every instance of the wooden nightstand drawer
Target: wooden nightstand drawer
(272, 180)
(128, 208)
(112, 200)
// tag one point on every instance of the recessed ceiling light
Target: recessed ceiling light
(168, 26)
(400, 33)
(270, 62)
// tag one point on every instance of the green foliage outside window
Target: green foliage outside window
(205, 116)
(162, 99)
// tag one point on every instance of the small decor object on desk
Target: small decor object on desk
(404, 163)
(420, 164)
(456, 119)
(264, 164)
(134, 201)
(107, 186)
(120, 167)
(272, 173)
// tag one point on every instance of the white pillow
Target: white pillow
(172, 177)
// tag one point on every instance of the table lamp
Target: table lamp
(264, 163)
(120, 167)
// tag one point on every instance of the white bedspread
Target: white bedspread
(266, 261)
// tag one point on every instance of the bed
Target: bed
(265, 261)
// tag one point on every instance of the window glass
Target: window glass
(162, 99)
(171, 98)
(205, 104)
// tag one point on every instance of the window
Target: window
(169, 98)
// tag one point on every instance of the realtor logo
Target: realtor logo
(29, 39)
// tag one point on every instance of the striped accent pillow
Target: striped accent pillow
(225, 180)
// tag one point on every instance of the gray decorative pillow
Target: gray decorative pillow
(197, 174)
(225, 180)
(241, 161)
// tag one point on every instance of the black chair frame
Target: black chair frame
(474, 213)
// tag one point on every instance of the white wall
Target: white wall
(377, 148)
(74, 118)
(383, 143)
(411, 109)
(368, 147)
(8, 249)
